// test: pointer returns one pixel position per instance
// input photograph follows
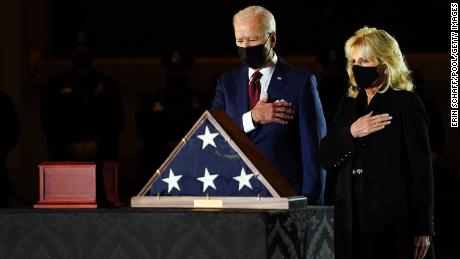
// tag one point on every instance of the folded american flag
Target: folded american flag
(207, 165)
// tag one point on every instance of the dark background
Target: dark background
(129, 37)
(146, 28)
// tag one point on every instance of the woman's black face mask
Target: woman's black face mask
(365, 76)
(255, 56)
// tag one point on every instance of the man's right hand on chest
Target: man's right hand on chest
(279, 112)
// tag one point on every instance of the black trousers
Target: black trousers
(393, 242)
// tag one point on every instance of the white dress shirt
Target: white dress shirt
(267, 73)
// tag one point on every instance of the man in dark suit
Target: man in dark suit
(82, 112)
(82, 116)
(275, 103)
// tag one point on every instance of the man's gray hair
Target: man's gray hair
(268, 20)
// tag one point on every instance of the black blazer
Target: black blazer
(397, 178)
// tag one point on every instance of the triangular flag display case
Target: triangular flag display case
(217, 166)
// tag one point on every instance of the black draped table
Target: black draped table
(166, 233)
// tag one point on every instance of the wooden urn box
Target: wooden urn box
(217, 166)
(67, 185)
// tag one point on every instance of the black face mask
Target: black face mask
(255, 56)
(365, 76)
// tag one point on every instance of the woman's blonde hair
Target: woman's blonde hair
(378, 44)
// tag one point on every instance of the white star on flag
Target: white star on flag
(208, 179)
(243, 179)
(208, 138)
(172, 180)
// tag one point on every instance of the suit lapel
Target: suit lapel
(278, 80)
(242, 87)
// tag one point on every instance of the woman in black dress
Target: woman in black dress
(378, 145)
